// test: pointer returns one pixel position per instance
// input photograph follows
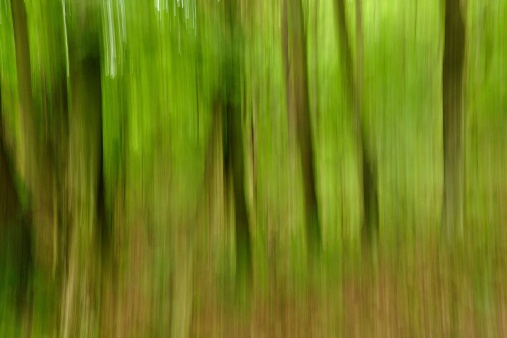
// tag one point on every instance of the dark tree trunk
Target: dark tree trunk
(354, 94)
(234, 169)
(25, 88)
(452, 86)
(43, 155)
(234, 165)
(87, 234)
(230, 109)
(16, 238)
(227, 121)
(298, 108)
(10, 205)
(22, 235)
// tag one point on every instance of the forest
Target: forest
(253, 168)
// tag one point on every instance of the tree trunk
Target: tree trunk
(454, 119)
(354, 95)
(234, 151)
(10, 205)
(16, 238)
(316, 88)
(298, 108)
(84, 175)
(43, 154)
(23, 235)
(227, 130)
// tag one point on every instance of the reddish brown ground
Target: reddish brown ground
(431, 298)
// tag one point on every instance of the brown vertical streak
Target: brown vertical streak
(453, 116)
(234, 162)
(25, 294)
(298, 106)
(253, 140)
(354, 94)
(23, 69)
(9, 202)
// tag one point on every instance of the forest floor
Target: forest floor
(435, 294)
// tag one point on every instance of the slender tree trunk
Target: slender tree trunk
(253, 144)
(84, 175)
(234, 164)
(454, 119)
(25, 84)
(289, 86)
(235, 161)
(10, 205)
(227, 121)
(16, 239)
(25, 289)
(316, 89)
(296, 75)
(43, 156)
(354, 94)
(228, 109)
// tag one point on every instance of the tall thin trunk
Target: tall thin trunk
(354, 94)
(453, 118)
(31, 146)
(227, 122)
(234, 164)
(16, 238)
(298, 108)
(315, 47)
(10, 205)
(84, 175)
(253, 143)
(25, 292)
(43, 154)
(289, 86)
(232, 134)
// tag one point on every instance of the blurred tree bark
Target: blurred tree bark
(227, 126)
(354, 96)
(16, 238)
(234, 159)
(32, 164)
(44, 140)
(298, 109)
(316, 87)
(10, 204)
(85, 174)
(43, 155)
(453, 119)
